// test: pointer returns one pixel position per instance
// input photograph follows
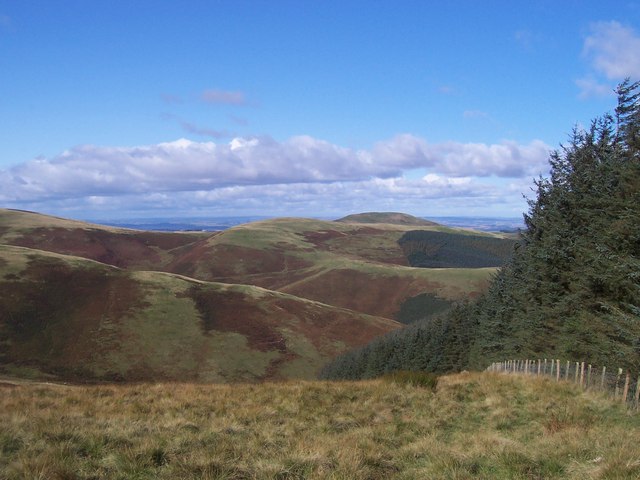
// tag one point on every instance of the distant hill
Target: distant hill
(393, 218)
(81, 300)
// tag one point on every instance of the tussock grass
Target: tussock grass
(473, 426)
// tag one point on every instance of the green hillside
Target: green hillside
(571, 290)
(75, 319)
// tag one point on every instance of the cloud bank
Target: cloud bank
(260, 172)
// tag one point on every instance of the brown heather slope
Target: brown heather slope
(74, 319)
(113, 246)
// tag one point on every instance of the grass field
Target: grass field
(474, 425)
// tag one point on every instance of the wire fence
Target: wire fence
(619, 383)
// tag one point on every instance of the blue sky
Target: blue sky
(126, 109)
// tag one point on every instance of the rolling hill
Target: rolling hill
(77, 319)
(266, 300)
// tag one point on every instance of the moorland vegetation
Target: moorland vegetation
(473, 425)
(273, 299)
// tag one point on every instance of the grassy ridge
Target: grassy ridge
(483, 426)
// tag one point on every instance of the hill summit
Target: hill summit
(394, 218)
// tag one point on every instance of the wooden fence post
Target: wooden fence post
(553, 364)
(589, 377)
(617, 390)
(538, 367)
(544, 369)
(557, 370)
(575, 380)
(604, 371)
(566, 373)
(637, 397)
(582, 375)
(625, 392)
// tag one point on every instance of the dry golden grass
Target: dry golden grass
(474, 426)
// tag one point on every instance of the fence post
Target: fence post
(544, 370)
(617, 390)
(625, 392)
(575, 380)
(604, 371)
(582, 375)
(566, 373)
(553, 364)
(635, 403)
(557, 370)
(589, 377)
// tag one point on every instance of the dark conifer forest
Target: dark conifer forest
(571, 288)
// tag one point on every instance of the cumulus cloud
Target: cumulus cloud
(262, 174)
(224, 97)
(302, 199)
(506, 159)
(613, 52)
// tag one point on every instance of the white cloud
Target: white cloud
(260, 174)
(613, 50)
(506, 159)
(305, 199)
(613, 53)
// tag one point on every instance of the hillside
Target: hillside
(481, 426)
(265, 300)
(358, 267)
(76, 319)
(355, 266)
(113, 246)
